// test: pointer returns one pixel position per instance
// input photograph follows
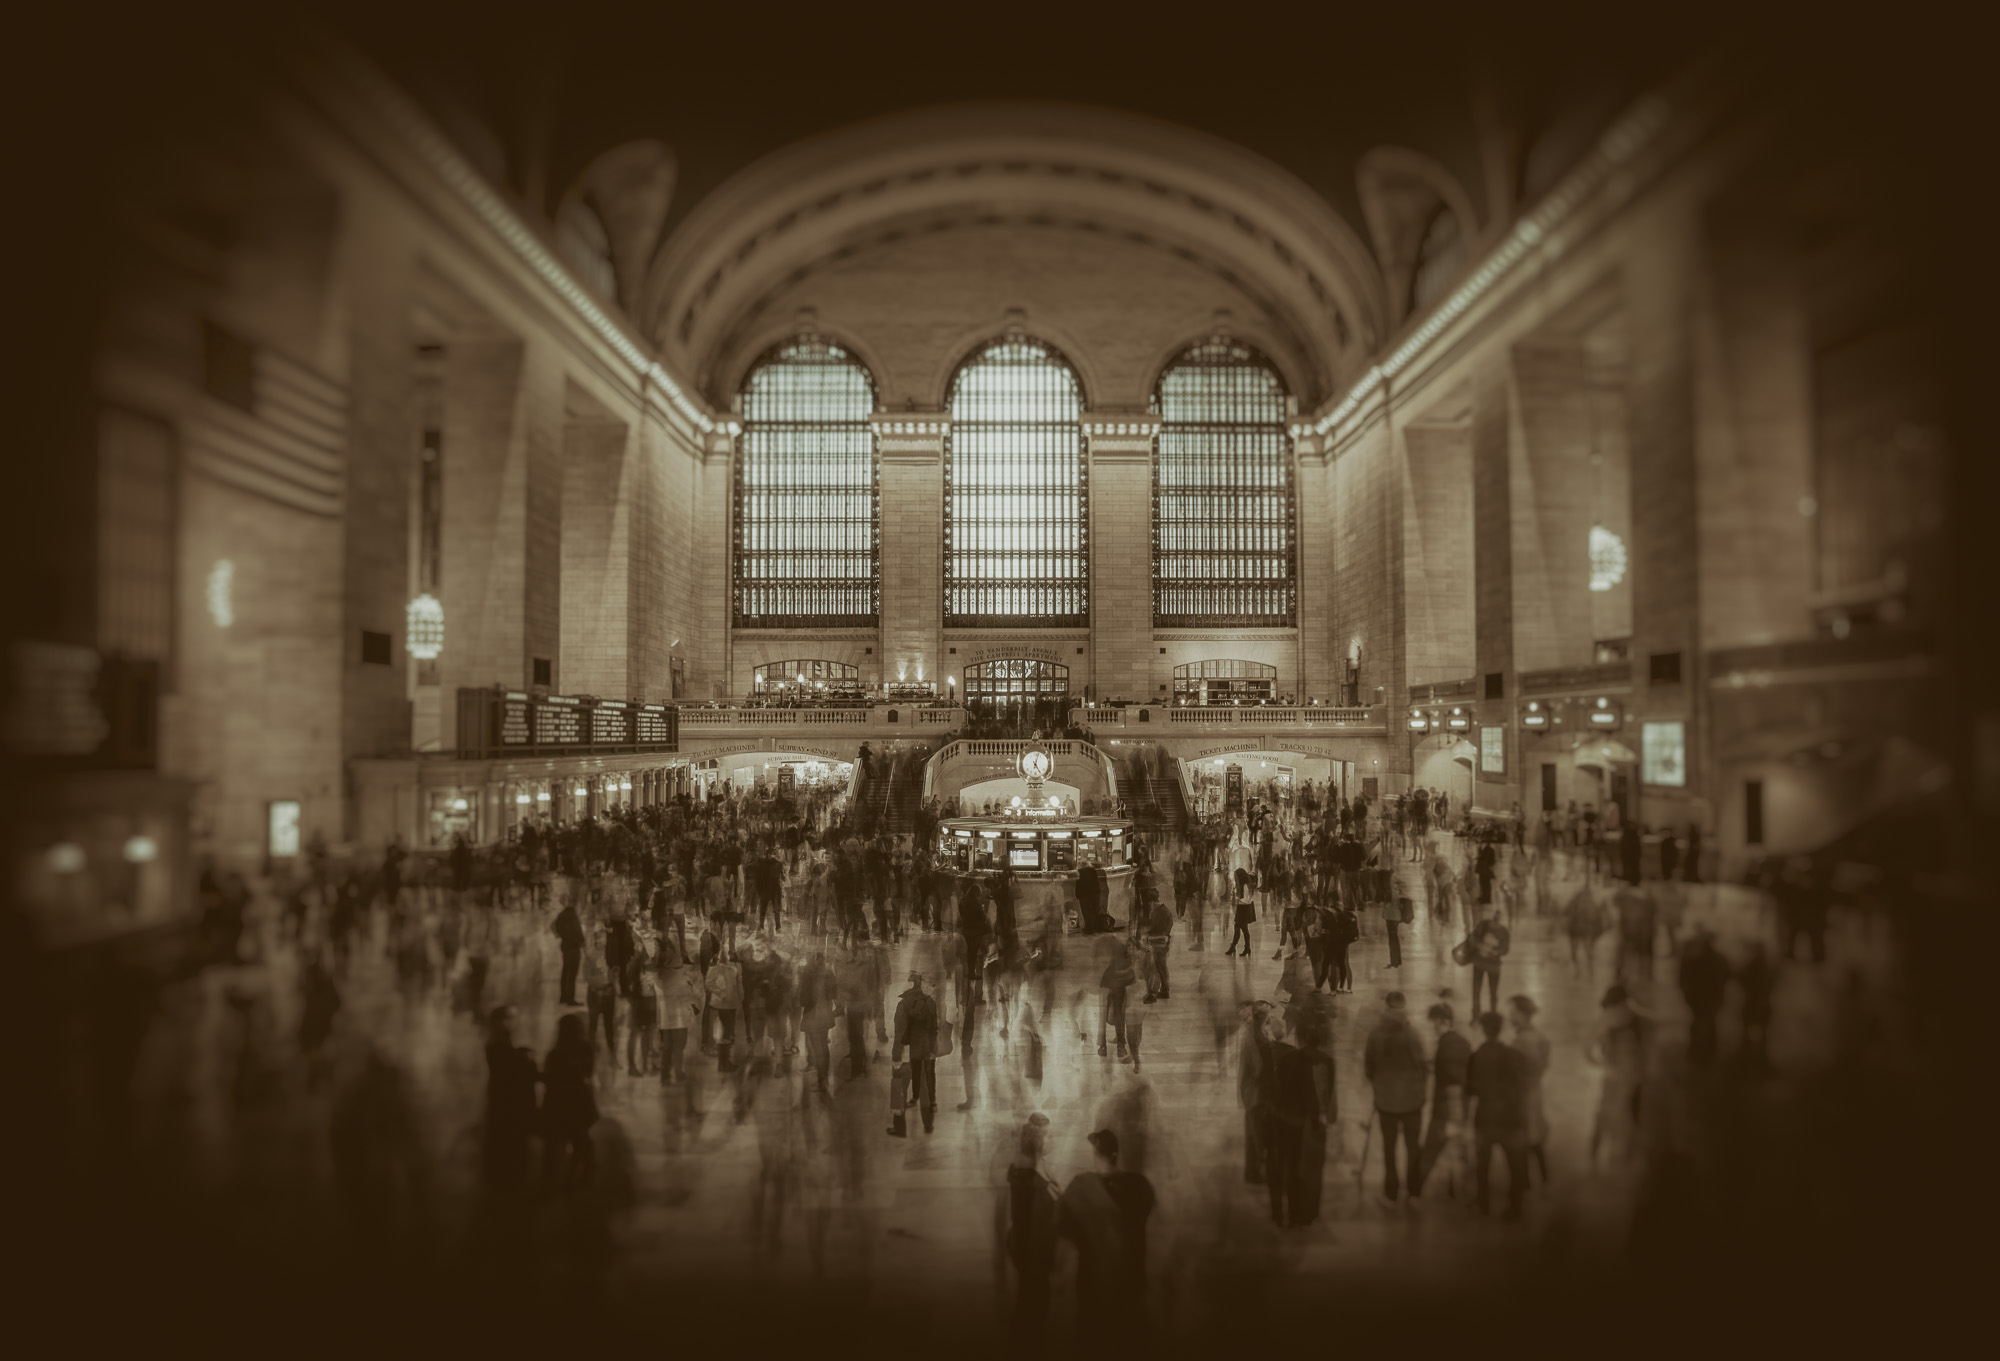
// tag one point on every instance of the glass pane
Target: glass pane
(1223, 545)
(807, 518)
(1015, 494)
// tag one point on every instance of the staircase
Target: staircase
(1153, 797)
(887, 798)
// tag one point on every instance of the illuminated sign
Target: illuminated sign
(1663, 754)
(282, 836)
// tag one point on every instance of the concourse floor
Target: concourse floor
(688, 1193)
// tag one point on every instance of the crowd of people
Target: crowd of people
(781, 949)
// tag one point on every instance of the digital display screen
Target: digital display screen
(1025, 855)
(1663, 754)
(1062, 854)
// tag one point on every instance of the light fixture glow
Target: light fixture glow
(141, 848)
(1607, 559)
(65, 857)
(459, 805)
(221, 593)
(424, 628)
(582, 793)
(522, 798)
(542, 795)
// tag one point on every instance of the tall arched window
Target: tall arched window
(1224, 546)
(807, 521)
(1014, 493)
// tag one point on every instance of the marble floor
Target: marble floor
(692, 1197)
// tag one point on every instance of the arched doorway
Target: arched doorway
(1017, 694)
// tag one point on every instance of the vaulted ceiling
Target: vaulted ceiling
(1274, 169)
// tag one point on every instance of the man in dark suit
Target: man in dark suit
(1496, 1084)
(916, 1030)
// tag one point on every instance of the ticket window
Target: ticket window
(1062, 851)
(988, 857)
(1024, 853)
(1093, 850)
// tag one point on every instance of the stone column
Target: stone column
(1119, 450)
(1493, 562)
(911, 449)
(1661, 285)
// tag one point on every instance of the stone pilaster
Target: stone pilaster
(911, 449)
(1120, 453)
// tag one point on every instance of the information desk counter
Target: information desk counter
(1045, 853)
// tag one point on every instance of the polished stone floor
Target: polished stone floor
(684, 1183)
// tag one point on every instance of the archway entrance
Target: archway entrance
(1015, 695)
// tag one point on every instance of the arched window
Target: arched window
(1014, 493)
(807, 522)
(1225, 680)
(1224, 546)
(1440, 255)
(807, 675)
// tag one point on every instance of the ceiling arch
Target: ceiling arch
(725, 273)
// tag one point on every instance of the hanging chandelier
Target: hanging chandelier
(1607, 559)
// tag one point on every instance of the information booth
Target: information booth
(1046, 850)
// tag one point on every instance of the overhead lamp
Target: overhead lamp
(424, 628)
(1607, 559)
(140, 849)
(459, 805)
(542, 795)
(522, 798)
(582, 793)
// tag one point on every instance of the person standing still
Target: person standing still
(1104, 1212)
(568, 931)
(1490, 942)
(1394, 1065)
(1496, 1085)
(1447, 1126)
(916, 1031)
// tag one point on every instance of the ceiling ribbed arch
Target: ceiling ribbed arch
(1115, 177)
